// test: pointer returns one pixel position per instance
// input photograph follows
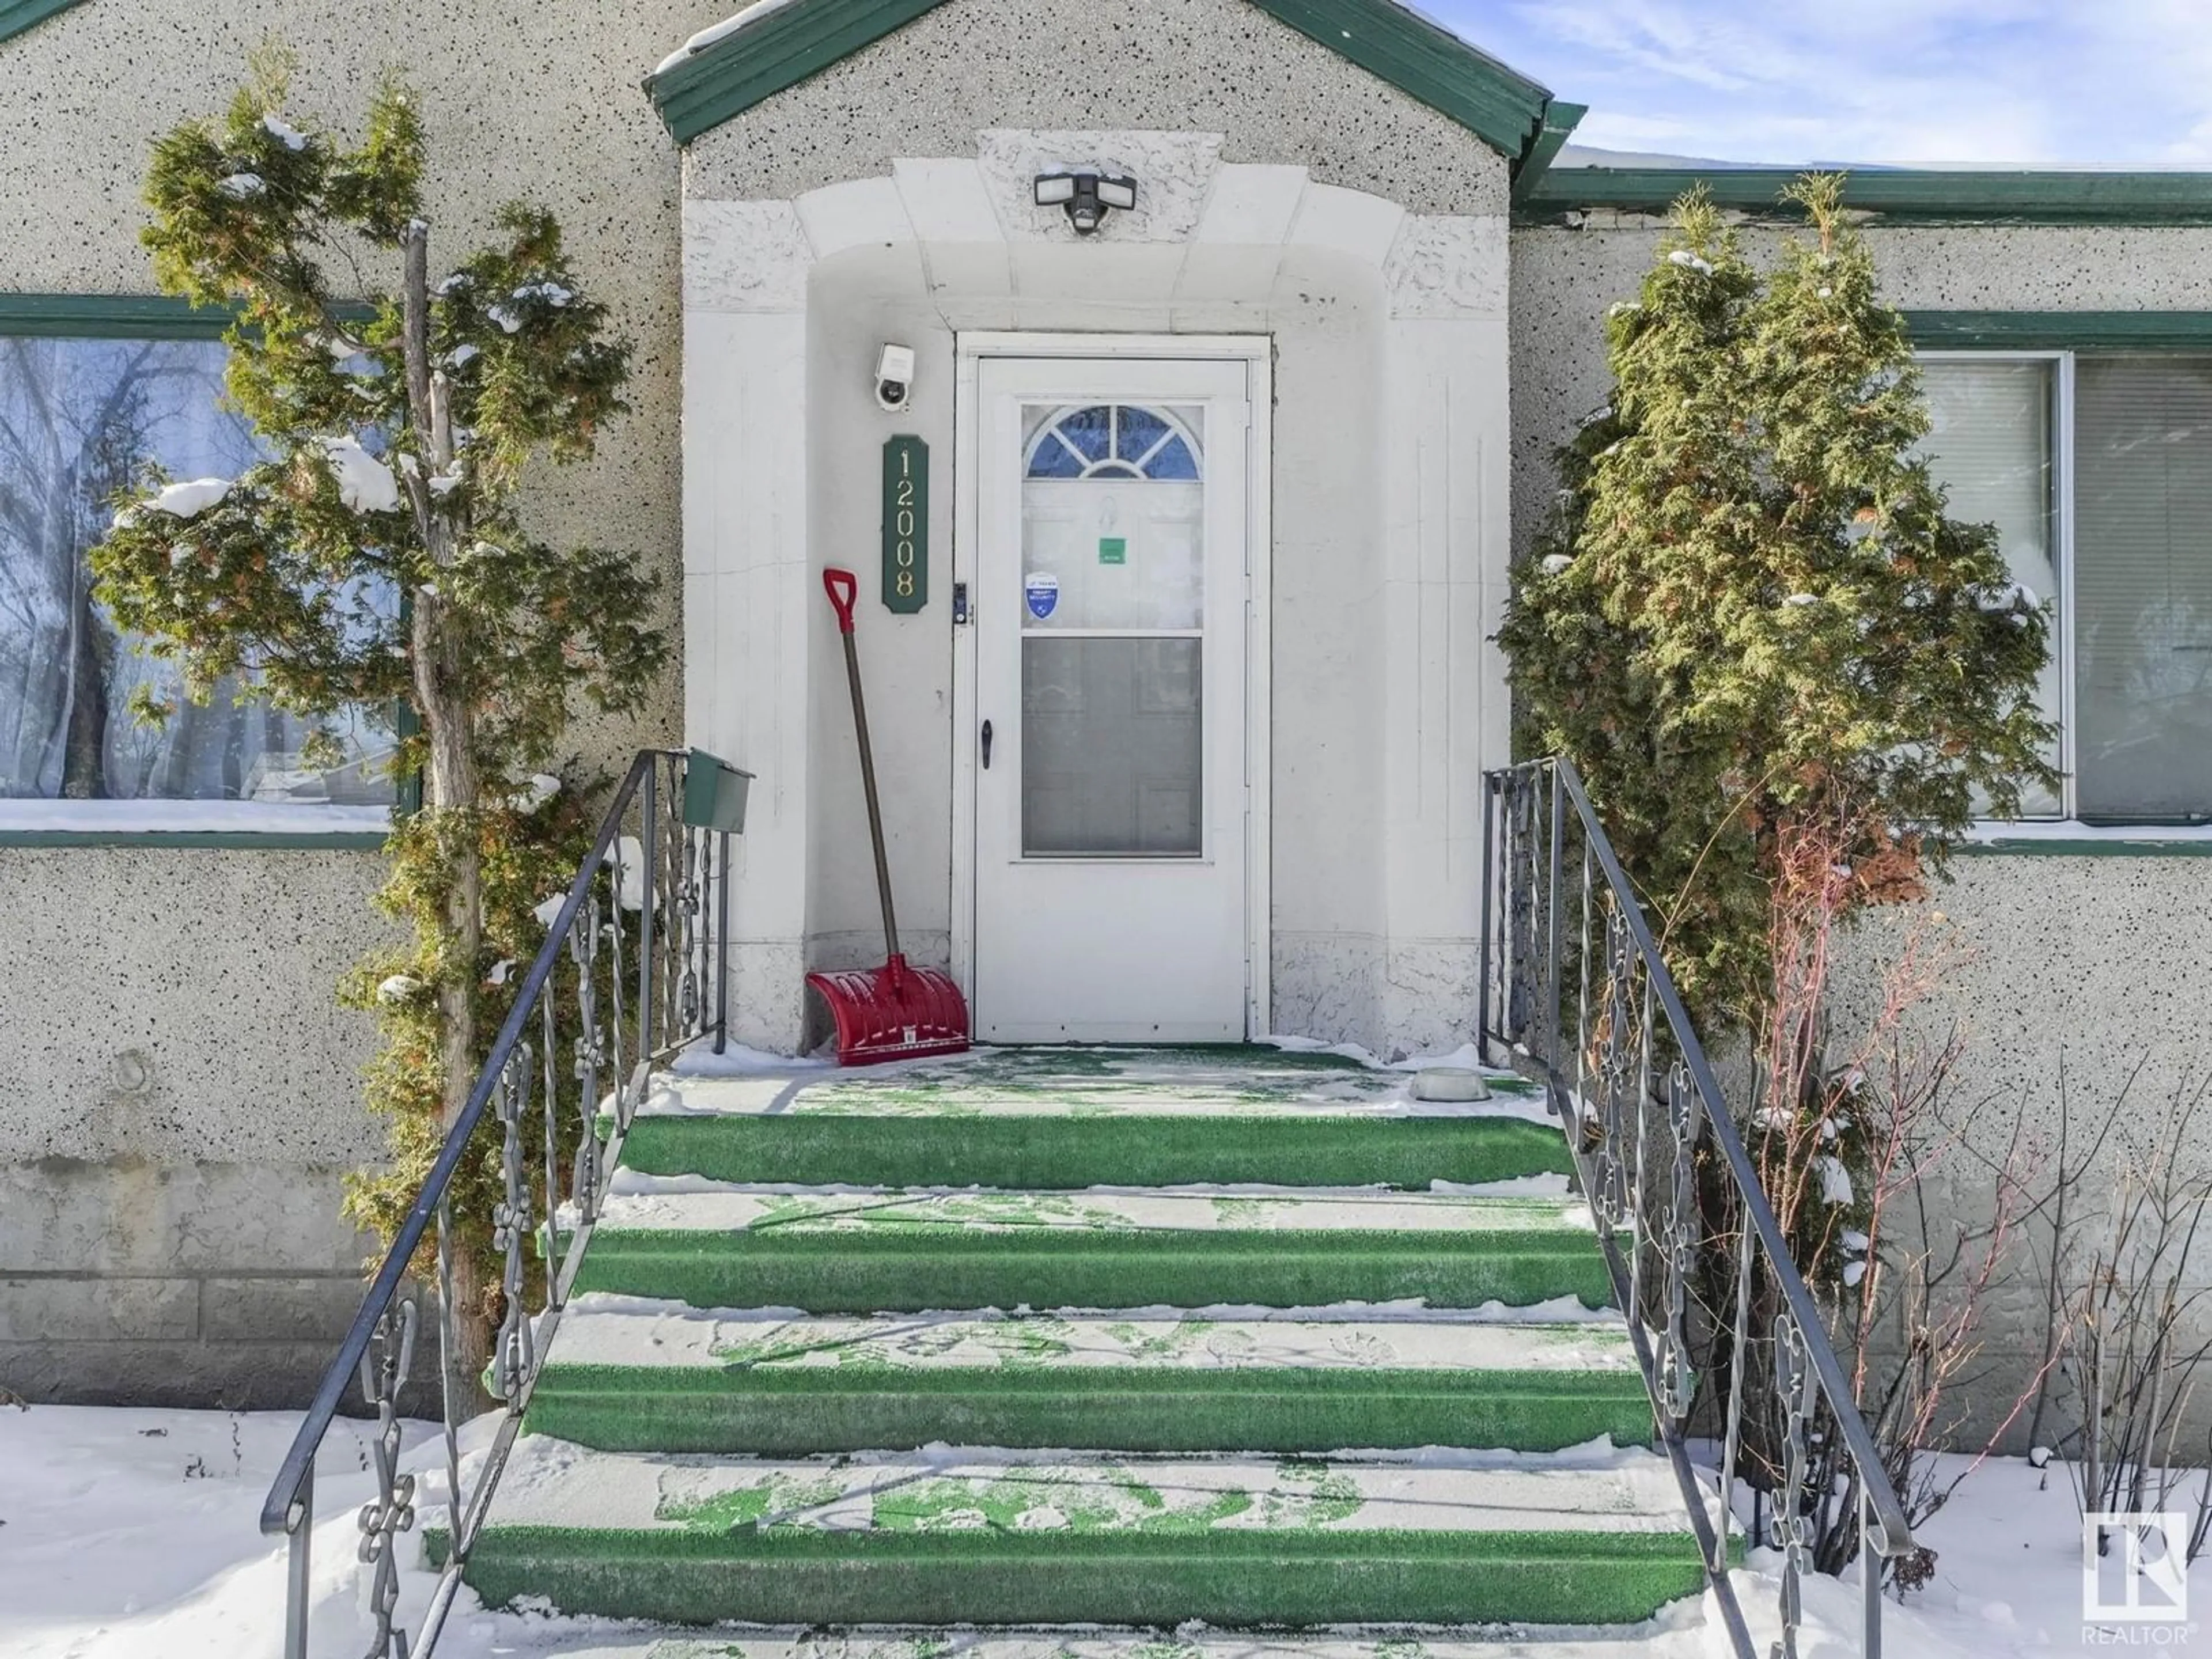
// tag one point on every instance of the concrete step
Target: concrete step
(1231, 1077)
(1595, 1537)
(1062, 1119)
(634, 1375)
(722, 1246)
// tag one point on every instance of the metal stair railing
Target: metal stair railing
(634, 968)
(1599, 1045)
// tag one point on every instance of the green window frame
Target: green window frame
(158, 318)
(2101, 345)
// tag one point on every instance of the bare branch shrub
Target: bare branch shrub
(2130, 1343)
(1860, 1145)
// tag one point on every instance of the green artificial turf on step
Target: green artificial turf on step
(914, 1268)
(800, 1410)
(1045, 1150)
(1248, 1577)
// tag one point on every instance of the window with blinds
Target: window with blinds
(2142, 588)
(2133, 616)
(1990, 448)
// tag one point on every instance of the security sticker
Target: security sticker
(1041, 589)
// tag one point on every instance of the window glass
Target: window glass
(1113, 551)
(79, 420)
(1113, 518)
(2143, 587)
(1990, 448)
(1112, 739)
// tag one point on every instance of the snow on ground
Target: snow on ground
(134, 1534)
(2007, 1582)
(130, 1533)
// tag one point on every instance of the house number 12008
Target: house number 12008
(905, 524)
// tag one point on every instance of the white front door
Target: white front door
(1111, 778)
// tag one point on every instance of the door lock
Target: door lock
(987, 746)
(960, 605)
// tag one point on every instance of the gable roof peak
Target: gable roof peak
(772, 45)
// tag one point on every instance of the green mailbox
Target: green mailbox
(715, 794)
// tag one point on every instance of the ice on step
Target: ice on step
(1091, 1082)
(603, 1331)
(717, 1208)
(554, 1483)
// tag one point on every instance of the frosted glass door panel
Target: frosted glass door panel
(1112, 745)
(1121, 553)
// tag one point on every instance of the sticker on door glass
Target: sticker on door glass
(1041, 589)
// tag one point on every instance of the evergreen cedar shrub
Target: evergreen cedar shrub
(1790, 680)
(399, 411)
(1750, 616)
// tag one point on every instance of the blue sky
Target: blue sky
(2039, 81)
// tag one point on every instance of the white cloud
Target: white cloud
(2031, 82)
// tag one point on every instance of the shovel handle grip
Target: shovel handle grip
(843, 587)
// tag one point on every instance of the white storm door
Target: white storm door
(1110, 777)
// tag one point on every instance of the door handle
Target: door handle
(987, 746)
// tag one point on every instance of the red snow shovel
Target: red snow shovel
(897, 1012)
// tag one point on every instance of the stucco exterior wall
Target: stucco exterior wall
(1329, 914)
(179, 1094)
(1564, 279)
(1167, 66)
(888, 200)
(2098, 960)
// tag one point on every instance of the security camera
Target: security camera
(894, 377)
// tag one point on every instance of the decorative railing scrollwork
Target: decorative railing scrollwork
(1793, 1527)
(633, 970)
(1590, 1011)
(383, 1373)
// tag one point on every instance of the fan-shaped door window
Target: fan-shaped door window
(1114, 440)
(1112, 608)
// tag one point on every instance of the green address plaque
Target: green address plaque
(905, 524)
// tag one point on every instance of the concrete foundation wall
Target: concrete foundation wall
(179, 1099)
(179, 1095)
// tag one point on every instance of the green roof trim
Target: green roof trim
(1426, 61)
(1971, 196)
(1560, 121)
(16, 16)
(730, 74)
(2061, 331)
(795, 43)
